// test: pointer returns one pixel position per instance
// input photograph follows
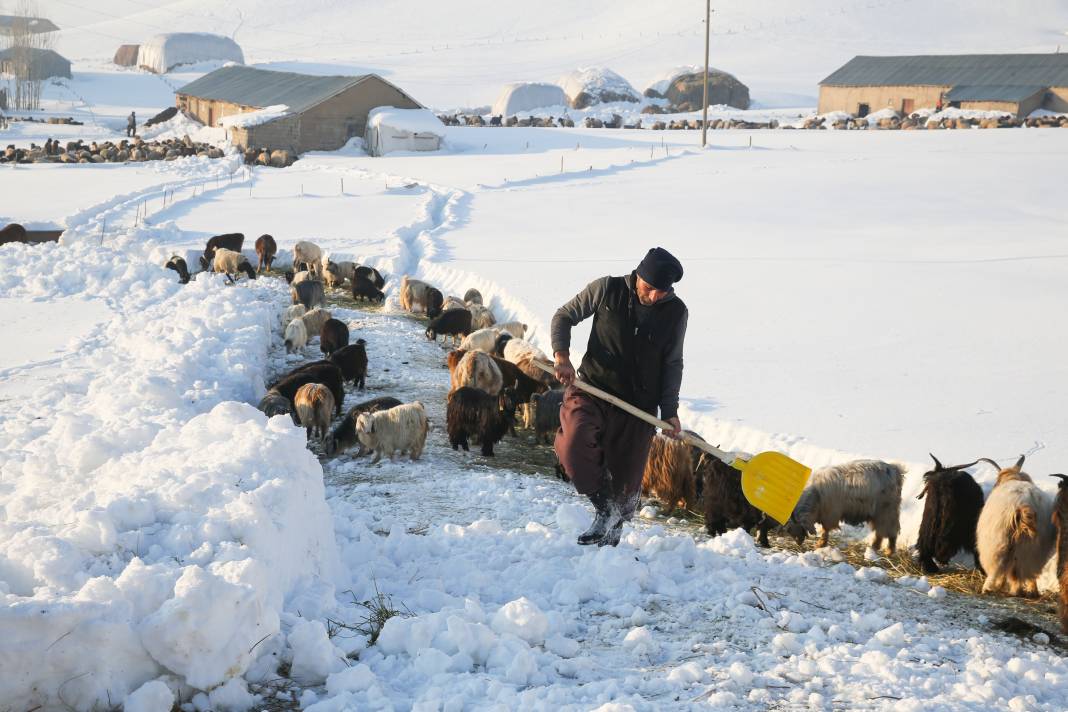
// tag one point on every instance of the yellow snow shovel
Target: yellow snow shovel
(771, 481)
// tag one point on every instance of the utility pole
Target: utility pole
(704, 110)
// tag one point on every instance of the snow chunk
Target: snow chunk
(741, 675)
(314, 656)
(523, 619)
(892, 635)
(153, 696)
(937, 593)
(233, 695)
(736, 542)
(871, 573)
(572, 518)
(686, 674)
(254, 118)
(639, 641)
(353, 679)
(564, 647)
(1040, 638)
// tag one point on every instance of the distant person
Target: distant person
(634, 353)
(131, 125)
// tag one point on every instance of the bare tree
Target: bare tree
(26, 44)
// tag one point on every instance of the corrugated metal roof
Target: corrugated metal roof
(993, 93)
(262, 88)
(1047, 70)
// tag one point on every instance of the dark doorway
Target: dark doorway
(908, 106)
(863, 110)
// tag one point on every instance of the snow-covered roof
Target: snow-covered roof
(162, 52)
(36, 25)
(416, 121)
(527, 96)
(255, 118)
(596, 81)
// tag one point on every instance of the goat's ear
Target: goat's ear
(938, 465)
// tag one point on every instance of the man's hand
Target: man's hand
(677, 431)
(565, 372)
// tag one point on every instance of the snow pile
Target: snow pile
(596, 85)
(254, 118)
(161, 53)
(528, 96)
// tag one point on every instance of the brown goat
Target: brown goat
(669, 474)
(313, 404)
(1060, 520)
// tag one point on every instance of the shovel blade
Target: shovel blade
(772, 482)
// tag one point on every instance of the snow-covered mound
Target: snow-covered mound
(162, 53)
(528, 96)
(663, 80)
(596, 85)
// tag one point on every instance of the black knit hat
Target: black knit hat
(660, 268)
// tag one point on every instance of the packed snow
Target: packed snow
(254, 118)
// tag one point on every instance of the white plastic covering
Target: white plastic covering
(528, 96)
(162, 52)
(596, 81)
(391, 129)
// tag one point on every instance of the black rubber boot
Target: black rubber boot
(597, 530)
(618, 513)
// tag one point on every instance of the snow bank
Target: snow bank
(150, 515)
(527, 96)
(254, 118)
(161, 53)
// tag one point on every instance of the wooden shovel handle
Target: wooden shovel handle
(641, 414)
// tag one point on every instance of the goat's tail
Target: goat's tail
(1024, 524)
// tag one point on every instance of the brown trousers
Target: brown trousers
(595, 437)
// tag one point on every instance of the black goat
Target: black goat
(472, 412)
(333, 336)
(725, 506)
(454, 322)
(370, 273)
(231, 241)
(344, 435)
(322, 372)
(352, 360)
(365, 289)
(546, 413)
(310, 293)
(434, 301)
(498, 345)
(950, 515)
(178, 265)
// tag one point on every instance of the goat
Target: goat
(310, 254)
(434, 302)
(274, 403)
(472, 412)
(352, 360)
(294, 311)
(1060, 521)
(669, 474)
(452, 360)
(230, 241)
(369, 273)
(313, 403)
(311, 294)
(332, 275)
(512, 328)
(472, 296)
(343, 436)
(322, 372)
(854, 492)
(719, 490)
(950, 515)
(481, 317)
(266, 249)
(296, 336)
(478, 370)
(230, 263)
(523, 354)
(402, 428)
(481, 340)
(364, 289)
(178, 265)
(333, 335)
(547, 414)
(413, 294)
(452, 302)
(455, 323)
(315, 319)
(1015, 534)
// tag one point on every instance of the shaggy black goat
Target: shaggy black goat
(950, 515)
(371, 274)
(365, 289)
(231, 241)
(352, 360)
(724, 504)
(343, 436)
(322, 372)
(455, 323)
(524, 386)
(178, 265)
(333, 336)
(434, 302)
(266, 249)
(546, 413)
(473, 412)
(310, 293)
(1060, 520)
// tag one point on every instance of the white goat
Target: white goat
(293, 312)
(314, 320)
(514, 328)
(481, 317)
(522, 354)
(413, 293)
(296, 335)
(481, 340)
(309, 253)
(854, 492)
(402, 428)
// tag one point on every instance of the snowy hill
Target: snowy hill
(461, 53)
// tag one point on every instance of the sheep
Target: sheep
(523, 354)
(1015, 534)
(274, 403)
(402, 428)
(434, 302)
(266, 249)
(314, 320)
(950, 515)
(669, 474)
(352, 360)
(481, 317)
(854, 492)
(313, 404)
(472, 296)
(547, 414)
(322, 372)
(719, 490)
(343, 436)
(230, 241)
(296, 336)
(1060, 521)
(309, 253)
(452, 302)
(178, 265)
(481, 340)
(364, 289)
(512, 328)
(230, 263)
(333, 335)
(311, 294)
(473, 412)
(413, 293)
(478, 370)
(454, 323)
(369, 273)
(292, 312)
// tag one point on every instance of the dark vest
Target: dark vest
(622, 359)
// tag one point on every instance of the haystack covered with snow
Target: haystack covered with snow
(658, 86)
(163, 52)
(390, 129)
(596, 85)
(528, 96)
(686, 91)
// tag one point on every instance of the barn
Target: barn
(1012, 83)
(297, 112)
(34, 64)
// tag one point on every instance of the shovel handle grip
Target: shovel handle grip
(642, 415)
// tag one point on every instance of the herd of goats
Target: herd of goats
(496, 384)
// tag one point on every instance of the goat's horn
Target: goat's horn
(987, 459)
(1019, 463)
(938, 465)
(961, 467)
(1064, 480)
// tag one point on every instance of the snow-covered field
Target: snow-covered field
(851, 294)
